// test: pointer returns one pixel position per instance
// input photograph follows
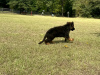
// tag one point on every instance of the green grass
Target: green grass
(20, 53)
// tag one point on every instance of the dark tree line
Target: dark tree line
(83, 8)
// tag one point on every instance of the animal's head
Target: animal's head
(71, 25)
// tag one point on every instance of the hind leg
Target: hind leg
(49, 40)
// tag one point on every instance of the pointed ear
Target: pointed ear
(72, 22)
(68, 22)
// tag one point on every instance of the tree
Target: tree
(68, 7)
(62, 5)
(87, 8)
(22, 5)
(84, 8)
(95, 8)
(3, 3)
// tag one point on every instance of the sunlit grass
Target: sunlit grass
(20, 53)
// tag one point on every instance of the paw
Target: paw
(51, 42)
(71, 39)
(47, 43)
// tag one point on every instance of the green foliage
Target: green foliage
(68, 7)
(22, 5)
(3, 3)
(95, 8)
(82, 8)
(87, 8)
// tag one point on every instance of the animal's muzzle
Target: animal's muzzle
(73, 29)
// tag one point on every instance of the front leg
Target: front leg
(67, 37)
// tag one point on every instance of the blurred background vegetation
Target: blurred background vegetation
(75, 8)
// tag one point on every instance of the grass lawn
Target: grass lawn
(20, 53)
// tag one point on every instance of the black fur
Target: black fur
(60, 31)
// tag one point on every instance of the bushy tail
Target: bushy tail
(42, 40)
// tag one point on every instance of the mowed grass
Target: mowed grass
(20, 53)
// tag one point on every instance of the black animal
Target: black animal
(60, 31)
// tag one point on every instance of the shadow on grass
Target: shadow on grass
(61, 41)
(97, 34)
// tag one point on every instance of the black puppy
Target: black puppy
(60, 31)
